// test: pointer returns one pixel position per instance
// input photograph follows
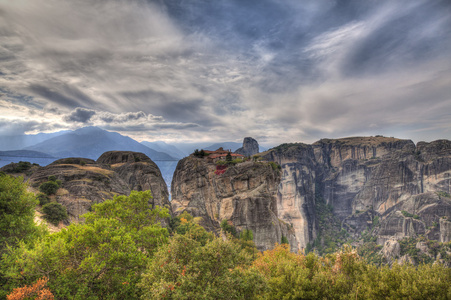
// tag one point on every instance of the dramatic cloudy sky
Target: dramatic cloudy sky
(187, 70)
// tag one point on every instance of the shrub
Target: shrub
(43, 199)
(52, 178)
(275, 166)
(49, 187)
(284, 240)
(37, 289)
(21, 166)
(220, 169)
(228, 228)
(409, 215)
(54, 212)
(443, 194)
(247, 235)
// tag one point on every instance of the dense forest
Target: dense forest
(126, 249)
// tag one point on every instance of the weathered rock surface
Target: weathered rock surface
(367, 177)
(391, 250)
(387, 186)
(250, 147)
(245, 194)
(86, 182)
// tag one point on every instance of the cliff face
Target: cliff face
(406, 187)
(245, 194)
(86, 182)
(386, 186)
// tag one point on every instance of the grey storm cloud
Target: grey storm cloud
(80, 114)
(232, 68)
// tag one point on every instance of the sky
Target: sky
(201, 70)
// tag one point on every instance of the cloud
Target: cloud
(284, 71)
(19, 126)
(81, 115)
(124, 122)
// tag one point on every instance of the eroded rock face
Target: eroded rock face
(384, 185)
(245, 194)
(364, 179)
(85, 182)
(250, 147)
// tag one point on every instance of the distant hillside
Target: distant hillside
(91, 142)
(161, 146)
(25, 153)
(15, 156)
(26, 140)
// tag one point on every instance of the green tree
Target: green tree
(100, 259)
(54, 212)
(229, 157)
(16, 211)
(184, 269)
(49, 187)
(16, 219)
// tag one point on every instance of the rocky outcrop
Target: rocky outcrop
(139, 172)
(388, 187)
(374, 177)
(391, 250)
(246, 194)
(250, 147)
(85, 182)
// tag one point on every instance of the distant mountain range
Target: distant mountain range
(166, 148)
(18, 142)
(91, 142)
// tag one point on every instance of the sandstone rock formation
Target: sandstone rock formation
(367, 179)
(86, 182)
(250, 147)
(391, 250)
(245, 194)
(387, 187)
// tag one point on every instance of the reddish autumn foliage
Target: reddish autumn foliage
(220, 169)
(37, 290)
